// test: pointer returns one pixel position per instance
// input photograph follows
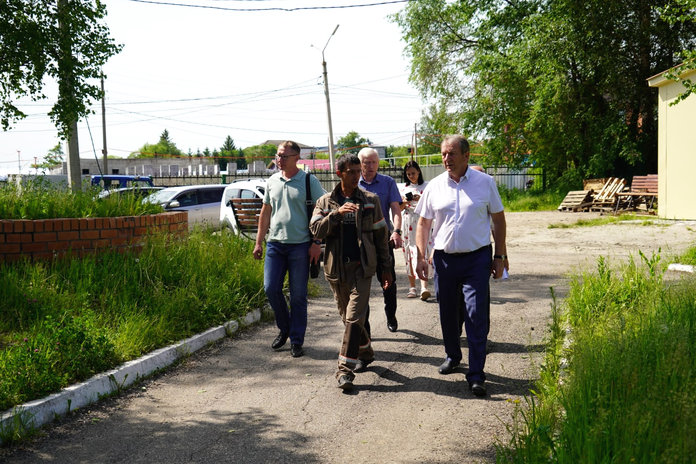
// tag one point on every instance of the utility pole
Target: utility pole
(415, 141)
(19, 164)
(104, 152)
(328, 104)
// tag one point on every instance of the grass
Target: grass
(620, 388)
(63, 321)
(516, 200)
(41, 200)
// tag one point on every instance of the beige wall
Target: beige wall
(676, 150)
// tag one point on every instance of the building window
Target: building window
(85, 172)
(114, 171)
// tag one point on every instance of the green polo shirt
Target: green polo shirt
(289, 221)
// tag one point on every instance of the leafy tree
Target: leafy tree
(352, 142)
(560, 84)
(35, 38)
(165, 146)
(266, 153)
(53, 158)
(682, 12)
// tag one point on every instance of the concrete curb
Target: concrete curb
(42, 411)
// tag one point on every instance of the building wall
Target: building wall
(676, 150)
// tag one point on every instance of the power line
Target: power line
(272, 8)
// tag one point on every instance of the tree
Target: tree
(165, 146)
(352, 142)
(560, 84)
(53, 158)
(265, 153)
(62, 40)
(228, 152)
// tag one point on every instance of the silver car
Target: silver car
(201, 201)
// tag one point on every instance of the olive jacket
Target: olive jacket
(327, 224)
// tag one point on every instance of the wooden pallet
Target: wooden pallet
(576, 200)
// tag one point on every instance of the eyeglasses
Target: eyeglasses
(284, 157)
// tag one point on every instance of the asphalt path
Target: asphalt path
(239, 401)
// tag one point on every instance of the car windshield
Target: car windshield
(163, 196)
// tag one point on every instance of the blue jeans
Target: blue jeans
(293, 259)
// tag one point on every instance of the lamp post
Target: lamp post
(328, 104)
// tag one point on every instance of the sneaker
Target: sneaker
(362, 364)
(296, 350)
(425, 294)
(345, 382)
(279, 341)
(411, 293)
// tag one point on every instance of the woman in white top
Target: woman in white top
(411, 193)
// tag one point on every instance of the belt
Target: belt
(465, 253)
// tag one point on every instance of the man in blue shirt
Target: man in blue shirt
(390, 199)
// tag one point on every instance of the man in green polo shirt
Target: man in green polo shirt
(289, 245)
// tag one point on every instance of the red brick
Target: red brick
(28, 226)
(58, 245)
(34, 246)
(74, 224)
(9, 248)
(7, 226)
(69, 235)
(80, 244)
(45, 237)
(108, 233)
(89, 234)
(39, 225)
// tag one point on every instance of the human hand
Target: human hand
(387, 280)
(422, 269)
(258, 251)
(396, 238)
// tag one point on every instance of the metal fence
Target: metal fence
(528, 178)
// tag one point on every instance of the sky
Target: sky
(203, 71)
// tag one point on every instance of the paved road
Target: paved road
(239, 401)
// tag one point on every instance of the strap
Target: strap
(309, 203)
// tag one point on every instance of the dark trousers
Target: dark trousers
(389, 294)
(462, 287)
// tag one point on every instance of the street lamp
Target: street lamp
(328, 104)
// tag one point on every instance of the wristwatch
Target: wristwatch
(317, 242)
(398, 231)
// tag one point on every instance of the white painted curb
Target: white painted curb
(42, 411)
(681, 267)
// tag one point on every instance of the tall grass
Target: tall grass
(39, 199)
(622, 389)
(63, 321)
(516, 200)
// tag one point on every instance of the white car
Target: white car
(250, 188)
(201, 201)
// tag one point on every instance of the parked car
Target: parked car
(250, 188)
(201, 201)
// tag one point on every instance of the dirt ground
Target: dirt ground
(239, 401)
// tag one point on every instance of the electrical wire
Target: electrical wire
(300, 8)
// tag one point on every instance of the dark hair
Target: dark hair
(346, 159)
(413, 164)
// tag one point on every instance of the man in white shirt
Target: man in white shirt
(463, 202)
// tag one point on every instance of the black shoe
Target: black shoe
(361, 365)
(345, 382)
(296, 350)
(447, 367)
(477, 388)
(392, 324)
(279, 341)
